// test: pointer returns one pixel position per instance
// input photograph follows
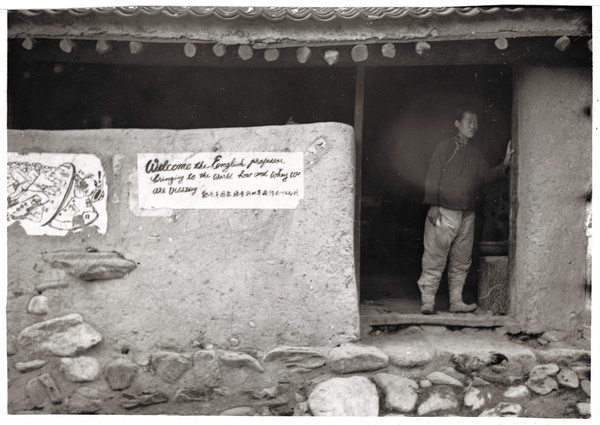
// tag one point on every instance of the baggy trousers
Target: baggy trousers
(450, 240)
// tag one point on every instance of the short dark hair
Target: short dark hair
(460, 111)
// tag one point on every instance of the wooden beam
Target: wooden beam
(388, 50)
(66, 45)
(540, 51)
(303, 54)
(501, 43)
(219, 50)
(245, 52)
(135, 47)
(331, 56)
(440, 319)
(189, 49)
(271, 55)
(103, 47)
(28, 43)
(562, 43)
(359, 53)
(359, 108)
(421, 46)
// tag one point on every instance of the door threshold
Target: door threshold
(440, 319)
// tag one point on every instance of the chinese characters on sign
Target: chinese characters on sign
(220, 180)
(52, 194)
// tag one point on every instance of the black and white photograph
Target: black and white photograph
(342, 209)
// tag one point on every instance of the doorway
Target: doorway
(408, 111)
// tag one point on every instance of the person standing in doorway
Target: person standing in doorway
(456, 173)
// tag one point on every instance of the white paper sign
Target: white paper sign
(54, 193)
(221, 180)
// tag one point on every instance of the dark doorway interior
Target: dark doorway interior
(59, 96)
(407, 112)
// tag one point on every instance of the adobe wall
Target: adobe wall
(553, 132)
(248, 279)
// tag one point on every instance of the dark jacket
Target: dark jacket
(456, 173)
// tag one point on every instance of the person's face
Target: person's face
(467, 126)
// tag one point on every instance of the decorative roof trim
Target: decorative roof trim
(276, 14)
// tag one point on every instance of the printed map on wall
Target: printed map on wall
(53, 194)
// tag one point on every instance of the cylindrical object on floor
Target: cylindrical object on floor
(493, 284)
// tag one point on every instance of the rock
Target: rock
(554, 336)
(476, 399)
(563, 355)
(206, 370)
(410, 357)
(542, 387)
(44, 286)
(479, 382)
(239, 360)
(410, 330)
(522, 359)
(353, 396)
(453, 373)
(501, 379)
(508, 329)
(63, 336)
(435, 330)
(263, 393)
(51, 388)
(301, 409)
(80, 369)
(185, 395)
(265, 411)
(584, 409)
(424, 383)
(400, 393)
(441, 399)
(587, 333)
(582, 371)
(568, 378)
(503, 409)
(300, 370)
(439, 378)
(84, 400)
(297, 357)
(120, 373)
(540, 372)
(11, 346)
(280, 404)
(38, 305)
(586, 387)
(90, 266)
(519, 391)
(356, 358)
(239, 411)
(25, 367)
(36, 392)
(170, 366)
(129, 401)
(498, 369)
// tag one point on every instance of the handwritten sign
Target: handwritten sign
(220, 180)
